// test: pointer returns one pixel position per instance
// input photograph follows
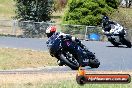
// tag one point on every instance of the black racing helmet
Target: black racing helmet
(105, 19)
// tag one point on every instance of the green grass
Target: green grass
(19, 58)
(65, 84)
(73, 84)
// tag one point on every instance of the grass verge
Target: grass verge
(65, 84)
(19, 58)
(53, 80)
(73, 84)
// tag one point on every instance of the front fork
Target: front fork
(83, 60)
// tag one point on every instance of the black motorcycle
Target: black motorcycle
(71, 54)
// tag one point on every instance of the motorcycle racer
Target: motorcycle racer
(111, 27)
(52, 34)
(115, 32)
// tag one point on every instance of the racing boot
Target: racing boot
(60, 63)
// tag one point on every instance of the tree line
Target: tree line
(85, 12)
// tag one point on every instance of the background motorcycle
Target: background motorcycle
(117, 36)
(71, 54)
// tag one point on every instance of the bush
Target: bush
(34, 10)
(87, 12)
(113, 3)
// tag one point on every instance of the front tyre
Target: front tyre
(113, 42)
(128, 38)
(94, 63)
(69, 60)
(128, 44)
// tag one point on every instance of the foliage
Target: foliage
(33, 29)
(35, 10)
(87, 12)
(113, 3)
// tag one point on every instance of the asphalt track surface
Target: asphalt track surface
(111, 58)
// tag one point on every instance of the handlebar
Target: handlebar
(65, 37)
(111, 34)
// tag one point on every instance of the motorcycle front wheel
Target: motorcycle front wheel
(127, 43)
(69, 59)
(94, 63)
(113, 42)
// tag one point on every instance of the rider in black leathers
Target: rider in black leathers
(106, 24)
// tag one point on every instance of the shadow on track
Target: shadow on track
(118, 46)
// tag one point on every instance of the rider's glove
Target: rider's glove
(73, 38)
(106, 32)
(68, 37)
